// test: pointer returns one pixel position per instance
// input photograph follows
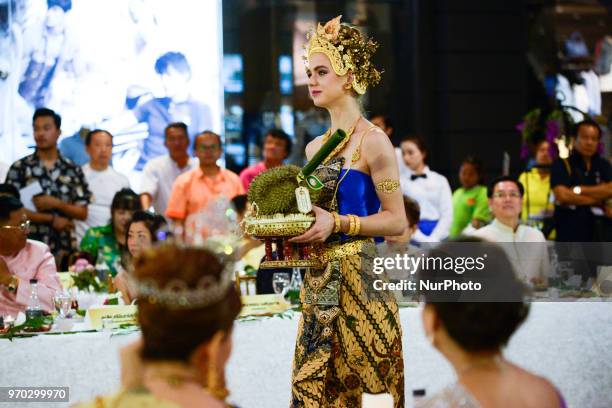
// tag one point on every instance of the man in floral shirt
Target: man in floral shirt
(65, 194)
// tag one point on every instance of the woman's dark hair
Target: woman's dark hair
(491, 186)
(419, 141)
(477, 164)
(481, 320)
(155, 223)
(124, 199)
(413, 211)
(174, 334)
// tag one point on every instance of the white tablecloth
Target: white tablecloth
(569, 343)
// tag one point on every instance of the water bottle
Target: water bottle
(294, 287)
(33, 309)
(102, 269)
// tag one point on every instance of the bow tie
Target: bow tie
(416, 176)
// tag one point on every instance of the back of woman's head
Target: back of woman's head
(477, 320)
(413, 211)
(182, 311)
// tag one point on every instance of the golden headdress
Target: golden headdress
(347, 49)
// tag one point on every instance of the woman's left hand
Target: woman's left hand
(320, 230)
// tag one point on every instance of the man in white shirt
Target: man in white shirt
(160, 173)
(102, 179)
(530, 261)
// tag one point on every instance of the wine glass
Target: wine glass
(280, 283)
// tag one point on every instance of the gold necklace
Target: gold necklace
(342, 144)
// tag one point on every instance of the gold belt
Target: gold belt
(326, 253)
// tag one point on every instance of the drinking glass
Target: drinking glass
(62, 301)
(280, 283)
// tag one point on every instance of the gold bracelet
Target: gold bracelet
(336, 222)
(351, 218)
(357, 225)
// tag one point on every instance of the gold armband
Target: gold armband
(357, 226)
(388, 186)
(354, 225)
(336, 222)
(351, 218)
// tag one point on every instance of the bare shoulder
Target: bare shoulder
(540, 391)
(313, 146)
(375, 138)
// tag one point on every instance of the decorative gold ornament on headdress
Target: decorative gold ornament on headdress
(348, 51)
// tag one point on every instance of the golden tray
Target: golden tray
(292, 263)
(278, 225)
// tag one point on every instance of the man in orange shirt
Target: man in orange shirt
(195, 189)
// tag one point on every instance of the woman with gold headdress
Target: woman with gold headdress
(186, 312)
(349, 339)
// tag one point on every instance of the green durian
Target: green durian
(274, 191)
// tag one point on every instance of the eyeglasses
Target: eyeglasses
(203, 148)
(23, 227)
(504, 194)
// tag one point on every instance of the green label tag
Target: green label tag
(314, 183)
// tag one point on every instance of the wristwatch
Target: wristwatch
(577, 190)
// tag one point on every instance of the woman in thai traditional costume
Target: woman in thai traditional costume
(349, 339)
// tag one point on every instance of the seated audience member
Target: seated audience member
(65, 194)
(180, 360)
(159, 173)
(22, 259)
(276, 148)
(506, 201)
(251, 250)
(472, 331)
(384, 123)
(537, 203)
(428, 188)
(102, 179)
(109, 240)
(581, 184)
(401, 243)
(470, 205)
(195, 189)
(142, 232)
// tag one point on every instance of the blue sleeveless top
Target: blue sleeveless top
(357, 195)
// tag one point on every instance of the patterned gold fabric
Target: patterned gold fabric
(349, 339)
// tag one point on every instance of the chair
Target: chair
(247, 280)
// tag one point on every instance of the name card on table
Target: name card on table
(116, 315)
(262, 305)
